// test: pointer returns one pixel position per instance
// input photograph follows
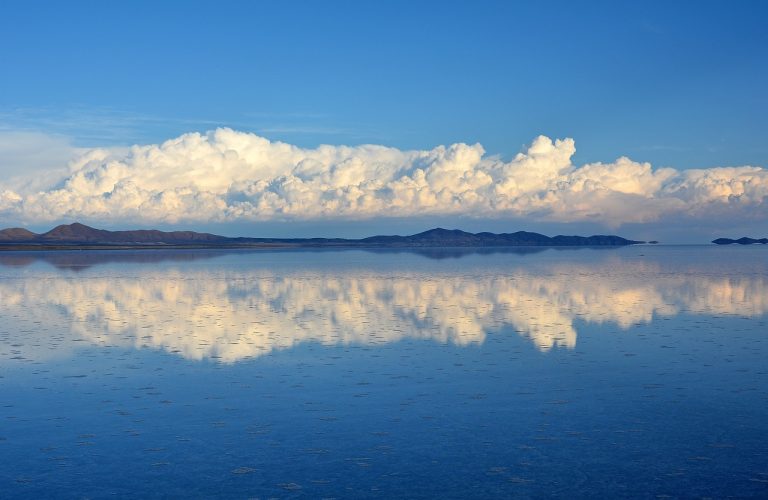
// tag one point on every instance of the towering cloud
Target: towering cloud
(226, 175)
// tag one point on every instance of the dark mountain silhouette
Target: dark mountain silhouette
(77, 234)
(80, 233)
(457, 238)
(740, 241)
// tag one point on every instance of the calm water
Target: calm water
(637, 372)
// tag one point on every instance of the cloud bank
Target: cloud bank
(226, 175)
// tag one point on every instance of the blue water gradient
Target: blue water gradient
(636, 372)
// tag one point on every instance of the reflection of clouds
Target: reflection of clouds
(231, 316)
(729, 297)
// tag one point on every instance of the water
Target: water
(634, 372)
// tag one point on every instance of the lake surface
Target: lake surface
(633, 372)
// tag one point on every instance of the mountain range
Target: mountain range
(81, 235)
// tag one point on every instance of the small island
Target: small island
(72, 236)
(740, 241)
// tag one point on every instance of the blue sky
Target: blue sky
(679, 84)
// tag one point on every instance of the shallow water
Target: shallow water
(635, 372)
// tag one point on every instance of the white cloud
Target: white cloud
(32, 160)
(226, 175)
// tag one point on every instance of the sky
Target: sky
(645, 119)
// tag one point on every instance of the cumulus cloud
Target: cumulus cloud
(226, 175)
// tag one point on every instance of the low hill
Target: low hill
(740, 241)
(16, 234)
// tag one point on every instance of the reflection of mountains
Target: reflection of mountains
(82, 259)
(230, 315)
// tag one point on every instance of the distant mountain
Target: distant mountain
(81, 235)
(16, 234)
(457, 238)
(740, 241)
